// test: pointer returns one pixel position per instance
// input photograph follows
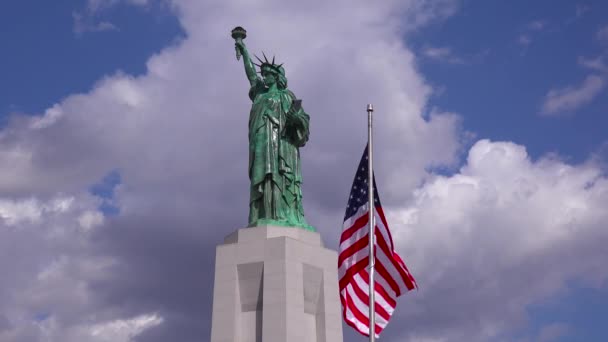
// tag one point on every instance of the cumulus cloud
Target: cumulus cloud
(524, 39)
(84, 23)
(581, 9)
(503, 232)
(177, 138)
(595, 64)
(537, 25)
(602, 34)
(442, 54)
(87, 20)
(120, 330)
(530, 31)
(553, 332)
(561, 100)
(96, 5)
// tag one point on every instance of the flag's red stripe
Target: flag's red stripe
(364, 297)
(352, 249)
(391, 255)
(410, 281)
(364, 242)
(380, 289)
(358, 224)
(348, 320)
(380, 212)
(384, 274)
(351, 271)
(360, 316)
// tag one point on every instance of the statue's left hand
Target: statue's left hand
(296, 105)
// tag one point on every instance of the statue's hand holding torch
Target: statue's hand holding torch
(239, 33)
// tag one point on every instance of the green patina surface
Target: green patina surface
(278, 127)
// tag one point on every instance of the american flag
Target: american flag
(392, 277)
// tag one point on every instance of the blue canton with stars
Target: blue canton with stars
(358, 193)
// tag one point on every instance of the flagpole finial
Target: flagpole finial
(370, 108)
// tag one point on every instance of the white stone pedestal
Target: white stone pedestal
(275, 284)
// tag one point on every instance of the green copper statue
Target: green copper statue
(278, 127)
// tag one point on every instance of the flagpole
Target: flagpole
(371, 223)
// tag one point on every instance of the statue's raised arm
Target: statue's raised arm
(239, 34)
(278, 128)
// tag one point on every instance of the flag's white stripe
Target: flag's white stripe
(364, 307)
(379, 278)
(381, 257)
(362, 253)
(387, 260)
(360, 326)
(351, 220)
(392, 270)
(353, 259)
(384, 260)
(351, 315)
(363, 231)
(349, 295)
(358, 235)
(363, 210)
(363, 328)
(363, 284)
(382, 229)
(381, 323)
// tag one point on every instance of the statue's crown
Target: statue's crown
(278, 68)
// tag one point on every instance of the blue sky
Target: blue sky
(500, 85)
(47, 59)
(145, 90)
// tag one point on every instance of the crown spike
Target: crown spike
(266, 59)
(272, 60)
(256, 56)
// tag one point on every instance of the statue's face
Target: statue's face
(269, 77)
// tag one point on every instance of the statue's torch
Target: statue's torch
(238, 33)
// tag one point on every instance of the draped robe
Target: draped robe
(276, 132)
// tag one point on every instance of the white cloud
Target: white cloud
(90, 219)
(524, 39)
(537, 25)
(581, 10)
(531, 31)
(595, 64)
(499, 235)
(96, 5)
(567, 99)
(602, 34)
(123, 329)
(443, 54)
(553, 332)
(120, 330)
(15, 211)
(85, 23)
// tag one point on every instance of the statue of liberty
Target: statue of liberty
(278, 127)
